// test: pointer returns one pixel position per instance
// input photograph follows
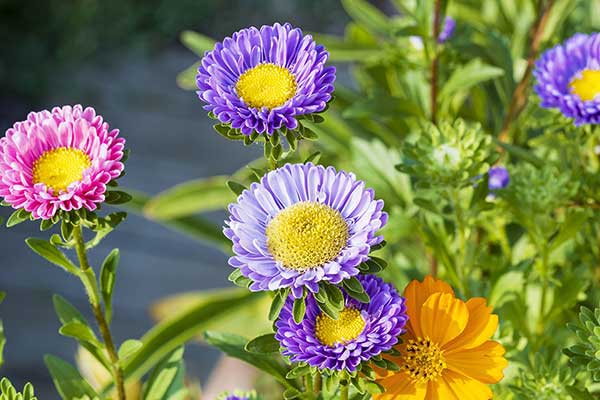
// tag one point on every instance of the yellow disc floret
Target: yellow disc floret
(424, 361)
(347, 327)
(60, 167)
(587, 85)
(266, 85)
(306, 235)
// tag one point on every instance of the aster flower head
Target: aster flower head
(262, 80)
(568, 78)
(447, 352)
(361, 332)
(59, 160)
(447, 30)
(499, 178)
(301, 225)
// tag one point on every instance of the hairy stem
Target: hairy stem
(88, 278)
(434, 62)
(519, 97)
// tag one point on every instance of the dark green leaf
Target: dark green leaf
(299, 309)
(313, 158)
(265, 344)
(107, 280)
(236, 187)
(52, 254)
(278, 303)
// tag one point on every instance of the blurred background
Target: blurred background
(122, 57)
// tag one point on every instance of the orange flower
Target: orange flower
(446, 353)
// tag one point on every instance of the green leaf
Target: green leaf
(196, 42)
(79, 331)
(278, 303)
(313, 158)
(117, 197)
(235, 187)
(186, 79)
(299, 309)
(8, 391)
(569, 229)
(68, 381)
(52, 254)
(383, 106)
(66, 311)
(2, 343)
(129, 348)
(234, 346)
(163, 376)
(469, 75)
(107, 281)
(291, 393)
(264, 344)
(17, 217)
(368, 16)
(189, 198)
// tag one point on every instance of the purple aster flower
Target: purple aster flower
(59, 160)
(237, 395)
(303, 224)
(498, 178)
(262, 79)
(447, 30)
(568, 78)
(362, 331)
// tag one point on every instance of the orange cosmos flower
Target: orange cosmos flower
(446, 353)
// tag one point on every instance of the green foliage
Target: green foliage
(451, 155)
(586, 353)
(8, 392)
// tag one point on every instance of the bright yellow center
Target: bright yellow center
(60, 167)
(306, 235)
(347, 327)
(587, 86)
(266, 85)
(423, 361)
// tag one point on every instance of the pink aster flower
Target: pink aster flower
(59, 160)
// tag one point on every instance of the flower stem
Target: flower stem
(308, 387)
(519, 98)
(344, 391)
(317, 384)
(89, 281)
(540, 321)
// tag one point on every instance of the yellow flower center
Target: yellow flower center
(423, 361)
(587, 86)
(347, 327)
(266, 85)
(306, 235)
(60, 167)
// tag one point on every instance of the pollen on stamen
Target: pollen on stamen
(586, 85)
(423, 361)
(58, 168)
(266, 85)
(347, 327)
(307, 235)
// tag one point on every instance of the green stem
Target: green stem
(308, 387)
(317, 383)
(544, 276)
(88, 279)
(344, 391)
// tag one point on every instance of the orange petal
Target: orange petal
(484, 363)
(400, 386)
(443, 317)
(480, 328)
(465, 388)
(439, 390)
(416, 293)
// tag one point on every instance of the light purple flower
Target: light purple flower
(59, 160)
(447, 30)
(302, 204)
(384, 317)
(498, 178)
(568, 78)
(302, 62)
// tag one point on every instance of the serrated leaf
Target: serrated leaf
(49, 252)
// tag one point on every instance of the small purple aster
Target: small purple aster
(498, 178)
(362, 331)
(303, 224)
(237, 395)
(447, 30)
(568, 78)
(260, 80)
